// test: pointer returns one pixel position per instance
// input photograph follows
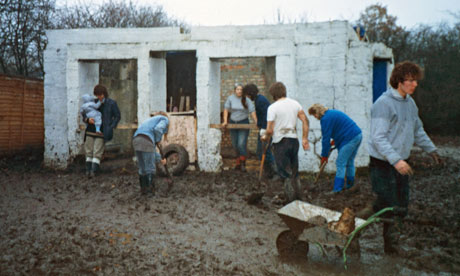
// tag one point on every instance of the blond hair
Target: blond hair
(317, 109)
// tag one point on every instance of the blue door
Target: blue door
(379, 84)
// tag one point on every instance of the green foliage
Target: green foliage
(437, 50)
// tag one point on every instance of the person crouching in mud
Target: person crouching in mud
(145, 139)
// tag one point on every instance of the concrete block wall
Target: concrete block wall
(318, 62)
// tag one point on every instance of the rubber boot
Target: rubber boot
(289, 191)
(390, 238)
(338, 184)
(94, 169)
(238, 164)
(350, 181)
(243, 163)
(298, 188)
(150, 184)
(143, 184)
(88, 168)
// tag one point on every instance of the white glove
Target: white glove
(262, 132)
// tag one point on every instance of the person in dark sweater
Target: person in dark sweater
(345, 135)
(95, 142)
(261, 103)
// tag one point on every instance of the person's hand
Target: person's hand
(224, 125)
(163, 161)
(436, 158)
(305, 144)
(91, 121)
(323, 160)
(332, 143)
(403, 168)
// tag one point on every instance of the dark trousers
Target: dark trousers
(391, 187)
(286, 157)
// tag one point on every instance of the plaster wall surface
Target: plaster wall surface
(318, 62)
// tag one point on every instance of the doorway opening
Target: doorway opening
(246, 70)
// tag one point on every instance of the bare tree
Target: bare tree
(114, 14)
(22, 40)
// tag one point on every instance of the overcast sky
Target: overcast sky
(247, 12)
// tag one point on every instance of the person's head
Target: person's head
(238, 89)
(251, 91)
(277, 90)
(162, 113)
(87, 98)
(405, 77)
(317, 110)
(100, 92)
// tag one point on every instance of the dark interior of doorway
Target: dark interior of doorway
(181, 81)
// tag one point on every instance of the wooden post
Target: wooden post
(187, 103)
(181, 105)
(170, 104)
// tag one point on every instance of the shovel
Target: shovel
(265, 146)
(168, 174)
(321, 168)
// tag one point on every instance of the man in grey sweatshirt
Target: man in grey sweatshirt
(395, 126)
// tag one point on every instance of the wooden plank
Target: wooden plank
(235, 126)
(181, 105)
(187, 103)
(170, 104)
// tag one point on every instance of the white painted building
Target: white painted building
(318, 62)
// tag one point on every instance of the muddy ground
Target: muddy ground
(54, 222)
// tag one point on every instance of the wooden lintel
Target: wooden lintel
(235, 126)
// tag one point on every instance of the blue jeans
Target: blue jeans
(269, 155)
(239, 138)
(346, 162)
(146, 162)
(286, 155)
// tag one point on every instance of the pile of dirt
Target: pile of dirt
(54, 222)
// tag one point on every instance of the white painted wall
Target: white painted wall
(318, 62)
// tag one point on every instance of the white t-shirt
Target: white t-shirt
(284, 114)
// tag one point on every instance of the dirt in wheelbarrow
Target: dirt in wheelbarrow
(61, 222)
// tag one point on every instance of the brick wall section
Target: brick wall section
(244, 71)
(21, 114)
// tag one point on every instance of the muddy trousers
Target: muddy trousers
(286, 157)
(392, 189)
(94, 149)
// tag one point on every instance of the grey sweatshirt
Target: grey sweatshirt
(395, 126)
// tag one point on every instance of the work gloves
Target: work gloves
(324, 159)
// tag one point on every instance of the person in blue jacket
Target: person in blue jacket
(261, 104)
(346, 136)
(145, 139)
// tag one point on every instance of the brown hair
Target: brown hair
(243, 96)
(99, 90)
(317, 109)
(251, 91)
(404, 70)
(277, 90)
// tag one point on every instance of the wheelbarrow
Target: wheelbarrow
(308, 224)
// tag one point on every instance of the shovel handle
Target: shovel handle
(261, 169)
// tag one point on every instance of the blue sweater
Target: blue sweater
(154, 128)
(338, 126)
(262, 105)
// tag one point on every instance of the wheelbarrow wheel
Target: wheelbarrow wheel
(290, 247)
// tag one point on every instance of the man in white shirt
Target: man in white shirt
(281, 125)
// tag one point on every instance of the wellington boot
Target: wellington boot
(88, 168)
(289, 191)
(150, 183)
(143, 183)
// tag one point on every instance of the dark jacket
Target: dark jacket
(110, 118)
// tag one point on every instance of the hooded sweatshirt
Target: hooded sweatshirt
(395, 126)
